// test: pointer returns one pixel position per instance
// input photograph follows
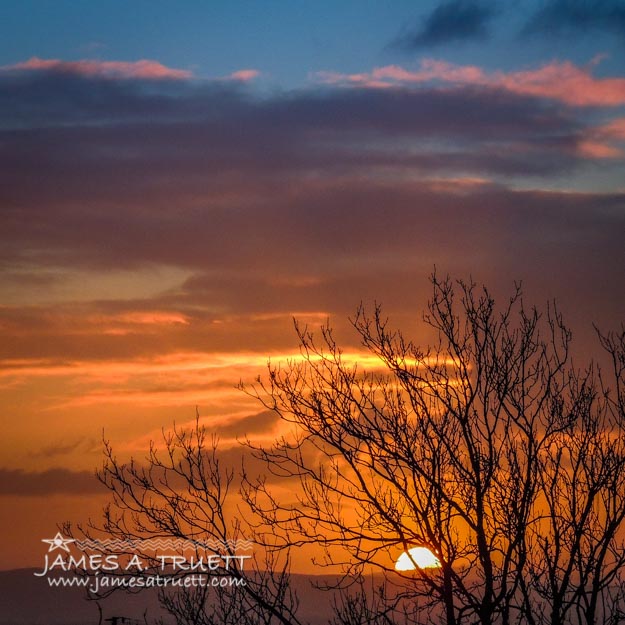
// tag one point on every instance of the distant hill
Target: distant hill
(29, 600)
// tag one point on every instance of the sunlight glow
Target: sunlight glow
(417, 557)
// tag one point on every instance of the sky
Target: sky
(179, 180)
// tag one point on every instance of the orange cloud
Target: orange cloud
(559, 80)
(457, 185)
(183, 363)
(129, 322)
(144, 69)
(168, 381)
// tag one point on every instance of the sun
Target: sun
(417, 558)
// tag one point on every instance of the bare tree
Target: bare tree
(460, 447)
(184, 492)
(578, 546)
(487, 447)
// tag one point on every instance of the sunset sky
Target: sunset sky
(181, 179)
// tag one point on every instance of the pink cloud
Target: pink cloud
(395, 76)
(244, 75)
(143, 69)
(614, 130)
(569, 84)
(600, 141)
(595, 149)
(562, 81)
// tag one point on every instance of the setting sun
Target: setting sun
(417, 557)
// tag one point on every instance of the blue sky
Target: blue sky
(288, 40)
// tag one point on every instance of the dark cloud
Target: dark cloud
(574, 17)
(47, 99)
(326, 249)
(49, 482)
(63, 448)
(312, 230)
(295, 202)
(204, 176)
(449, 22)
(17, 482)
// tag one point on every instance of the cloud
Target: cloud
(65, 448)
(124, 322)
(222, 127)
(606, 141)
(244, 75)
(49, 482)
(129, 70)
(263, 422)
(270, 206)
(575, 17)
(449, 22)
(250, 281)
(561, 81)
(210, 178)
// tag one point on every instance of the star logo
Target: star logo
(58, 542)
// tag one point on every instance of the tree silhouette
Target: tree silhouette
(183, 493)
(488, 447)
